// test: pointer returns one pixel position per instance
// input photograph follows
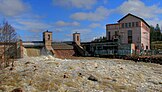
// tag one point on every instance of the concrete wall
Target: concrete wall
(145, 38)
(111, 28)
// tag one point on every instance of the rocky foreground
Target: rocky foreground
(49, 74)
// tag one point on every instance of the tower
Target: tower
(47, 39)
(76, 38)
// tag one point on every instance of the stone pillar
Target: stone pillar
(47, 39)
(76, 38)
(21, 49)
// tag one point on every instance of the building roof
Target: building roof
(112, 24)
(76, 33)
(129, 14)
(47, 32)
(63, 46)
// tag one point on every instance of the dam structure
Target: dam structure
(57, 49)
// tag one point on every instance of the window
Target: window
(108, 34)
(146, 47)
(132, 24)
(116, 33)
(129, 36)
(136, 24)
(129, 39)
(129, 32)
(129, 24)
(48, 37)
(122, 25)
(126, 25)
(77, 38)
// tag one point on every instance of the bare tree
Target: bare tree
(8, 37)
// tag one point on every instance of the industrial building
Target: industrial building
(130, 29)
(129, 36)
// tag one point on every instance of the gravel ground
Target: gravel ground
(49, 74)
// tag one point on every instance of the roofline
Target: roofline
(112, 24)
(135, 17)
(32, 41)
(47, 31)
(76, 33)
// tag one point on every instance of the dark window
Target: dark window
(129, 32)
(108, 34)
(77, 38)
(116, 33)
(129, 39)
(126, 25)
(105, 47)
(129, 24)
(99, 48)
(129, 36)
(122, 25)
(115, 40)
(136, 24)
(48, 37)
(146, 47)
(132, 24)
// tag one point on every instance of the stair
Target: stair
(80, 51)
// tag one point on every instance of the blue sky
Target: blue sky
(64, 17)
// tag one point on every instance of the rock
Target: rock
(80, 74)
(2, 89)
(11, 68)
(121, 68)
(156, 83)
(17, 90)
(65, 75)
(160, 82)
(27, 63)
(92, 78)
(114, 80)
(96, 65)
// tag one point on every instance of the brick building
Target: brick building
(130, 29)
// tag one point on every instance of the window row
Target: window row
(130, 24)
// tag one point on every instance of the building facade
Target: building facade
(130, 29)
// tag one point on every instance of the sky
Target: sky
(64, 17)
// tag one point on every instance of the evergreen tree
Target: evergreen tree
(152, 34)
(158, 33)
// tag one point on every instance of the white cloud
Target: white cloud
(12, 7)
(31, 25)
(139, 8)
(63, 24)
(99, 14)
(94, 25)
(75, 3)
(155, 21)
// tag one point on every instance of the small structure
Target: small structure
(47, 40)
(76, 38)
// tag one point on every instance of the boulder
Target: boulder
(17, 90)
(92, 78)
